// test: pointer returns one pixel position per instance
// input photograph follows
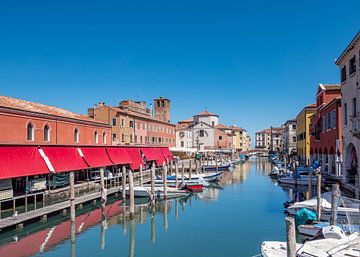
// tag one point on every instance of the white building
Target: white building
(349, 64)
(290, 136)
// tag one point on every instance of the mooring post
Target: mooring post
(319, 196)
(72, 238)
(334, 203)
(310, 184)
(216, 163)
(132, 237)
(72, 196)
(290, 237)
(141, 175)
(171, 167)
(196, 166)
(102, 187)
(182, 172)
(153, 227)
(190, 168)
(164, 171)
(123, 182)
(176, 174)
(153, 182)
(131, 191)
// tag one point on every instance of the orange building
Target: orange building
(24, 122)
(135, 124)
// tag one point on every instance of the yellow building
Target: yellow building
(303, 134)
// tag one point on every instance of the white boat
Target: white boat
(336, 246)
(208, 177)
(301, 180)
(315, 228)
(343, 213)
(141, 191)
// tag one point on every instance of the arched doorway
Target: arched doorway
(351, 164)
(332, 161)
(326, 161)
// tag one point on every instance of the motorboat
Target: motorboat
(144, 191)
(301, 180)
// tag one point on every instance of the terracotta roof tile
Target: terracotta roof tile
(23, 105)
(206, 113)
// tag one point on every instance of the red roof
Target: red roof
(153, 154)
(119, 155)
(64, 158)
(166, 153)
(136, 158)
(206, 113)
(20, 161)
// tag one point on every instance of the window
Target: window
(294, 126)
(135, 138)
(46, 133)
(328, 120)
(333, 119)
(354, 106)
(345, 113)
(220, 137)
(213, 123)
(160, 140)
(96, 138)
(131, 138)
(122, 137)
(141, 139)
(76, 135)
(114, 121)
(182, 143)
(352, 66)
(343, 74)
(294, 139)
(113, 137)
(201, 133)
(104, 138)
(131, 124)
(122, 123)
(30, 132)
(153, 139)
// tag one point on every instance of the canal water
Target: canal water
(231, 219)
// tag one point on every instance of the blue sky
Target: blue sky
(255, 63)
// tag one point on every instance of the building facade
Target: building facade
(25, 122)
(133, 123)
(326, 129)
(349, 63)
(303, 133)
(290, 137)
(270, 139)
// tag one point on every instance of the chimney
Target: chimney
(151, 110)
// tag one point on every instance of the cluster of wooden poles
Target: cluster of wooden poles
(290, 221)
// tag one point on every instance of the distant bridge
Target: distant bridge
(254, 152)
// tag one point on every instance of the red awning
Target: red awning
(119, 155)
(96, 157)
(134, 154)
(20, 161)
(65, 158)
(167, 154)
(154, 154)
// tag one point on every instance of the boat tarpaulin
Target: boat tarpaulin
(167, 154)
(135, 155)
(65, 158)
(20, 161)
(96, 157)
(153, 154)
(119, 155)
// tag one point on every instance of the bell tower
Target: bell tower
(162, 109)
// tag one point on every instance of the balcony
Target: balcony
(355, 128)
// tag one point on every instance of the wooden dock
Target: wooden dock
(20, 219)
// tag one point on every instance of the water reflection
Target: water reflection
(39, 238)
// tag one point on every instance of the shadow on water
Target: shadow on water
(230, 218)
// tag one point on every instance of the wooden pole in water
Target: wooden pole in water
(141, 175)
(190, 168)
(132, 237)
(153, 231)
(72, 196)
(153, 182)
(310, 184)
(319, 195)
(164, 171)
(334, 204)
(290, 237)
(196, 166)
(171, 167)
(176, 174)
(123, 182)
(131, 191)
(216, 163)
(182, 172)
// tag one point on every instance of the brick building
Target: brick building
(24, 122)
(135, 124)
(326, 129)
